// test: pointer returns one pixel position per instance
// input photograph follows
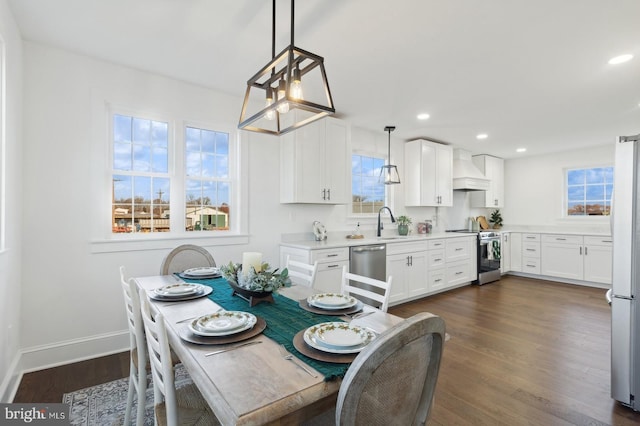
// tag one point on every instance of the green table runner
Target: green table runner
(285, 318)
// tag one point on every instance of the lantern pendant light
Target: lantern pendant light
(389, 173)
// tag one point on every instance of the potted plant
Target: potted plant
(496, 219)
(403, 224)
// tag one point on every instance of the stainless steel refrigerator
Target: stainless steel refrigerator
(625, 291)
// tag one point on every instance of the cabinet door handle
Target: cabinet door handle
(332, 255)
(438, 280)
(531, 266)
(459, 248)
(459, 272)
(329, 194)
(561, 239)
(333, 266)
(324, 194)
(585, 251)
(408, 264)
(580, 251)
(437, 260)
(535, 250)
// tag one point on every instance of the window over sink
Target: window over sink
(367, 193)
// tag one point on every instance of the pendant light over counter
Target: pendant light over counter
(389, 173)
(280, 83)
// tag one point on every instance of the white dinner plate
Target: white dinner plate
(338, 337)
(196, 272)
(177, 290)
(331, 301)
(222, 323)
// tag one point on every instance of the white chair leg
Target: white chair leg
(130, 394)
(142, 397)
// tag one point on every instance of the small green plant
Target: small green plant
(403, 220)
(496, 219)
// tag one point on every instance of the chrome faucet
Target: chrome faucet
(380, 227)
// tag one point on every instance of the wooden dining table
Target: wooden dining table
(253, 384)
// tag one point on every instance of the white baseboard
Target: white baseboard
(46, 356)
(11, 381)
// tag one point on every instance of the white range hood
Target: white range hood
(466, 176)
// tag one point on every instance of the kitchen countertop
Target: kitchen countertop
(339, 240)
(343, 241)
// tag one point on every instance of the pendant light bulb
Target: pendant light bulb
(271, 114)
(282, 93)
(296, 85)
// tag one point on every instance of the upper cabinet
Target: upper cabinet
(493, 169)
(428, 175)
(315, 163)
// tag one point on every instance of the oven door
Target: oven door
(489, 260)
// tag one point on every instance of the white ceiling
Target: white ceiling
(528, 73)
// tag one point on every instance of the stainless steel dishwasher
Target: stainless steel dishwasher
(369, 261)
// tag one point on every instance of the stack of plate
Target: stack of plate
(178, 291)
(201, 273)
(222, 323)
(331, 301)
(338, 337)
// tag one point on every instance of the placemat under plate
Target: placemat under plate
(303, 348)
(206, 290)
(335, 312)
(186, 335)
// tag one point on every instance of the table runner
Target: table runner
(284, 319)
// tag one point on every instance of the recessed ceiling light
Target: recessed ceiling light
(482, 136)
(423, 116)
(521, 150)
(620, 59)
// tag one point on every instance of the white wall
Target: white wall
(72, 307)
(534, 188)
(11, 158)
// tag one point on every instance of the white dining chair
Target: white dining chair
(138, 349)
(184, 257)
(172, 406)
(393, 379)
(371, 291)
(302, 273)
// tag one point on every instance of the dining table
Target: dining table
(268, 380)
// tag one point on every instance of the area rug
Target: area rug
(105, 404)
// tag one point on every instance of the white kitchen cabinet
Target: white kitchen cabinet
(493, 169)
(577, 257)
(428, 174)
(330, 264)
(531, 253)
(598, 252)
(407, 264)
(505, 250)
(515, 240)
(315, 163)
(451, 262)
(562, 256)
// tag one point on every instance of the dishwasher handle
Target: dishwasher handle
(364, 249)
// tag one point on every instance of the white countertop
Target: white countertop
(334, 241)
(338, 240)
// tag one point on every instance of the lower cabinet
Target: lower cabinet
(450, 263)
(577, 257)
(407, 264)
(330, 264)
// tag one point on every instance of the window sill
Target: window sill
(154, 242)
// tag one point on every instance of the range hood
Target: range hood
(466, 176)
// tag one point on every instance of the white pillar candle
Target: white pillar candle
(251, 259)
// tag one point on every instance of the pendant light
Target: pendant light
(389, 173)
(282, 79)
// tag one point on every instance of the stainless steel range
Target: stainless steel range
(488, 255)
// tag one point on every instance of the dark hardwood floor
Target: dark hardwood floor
(522, 352)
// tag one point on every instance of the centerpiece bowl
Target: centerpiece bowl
(254, 287)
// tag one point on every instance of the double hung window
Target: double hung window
(368, 193)
(167, 183)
